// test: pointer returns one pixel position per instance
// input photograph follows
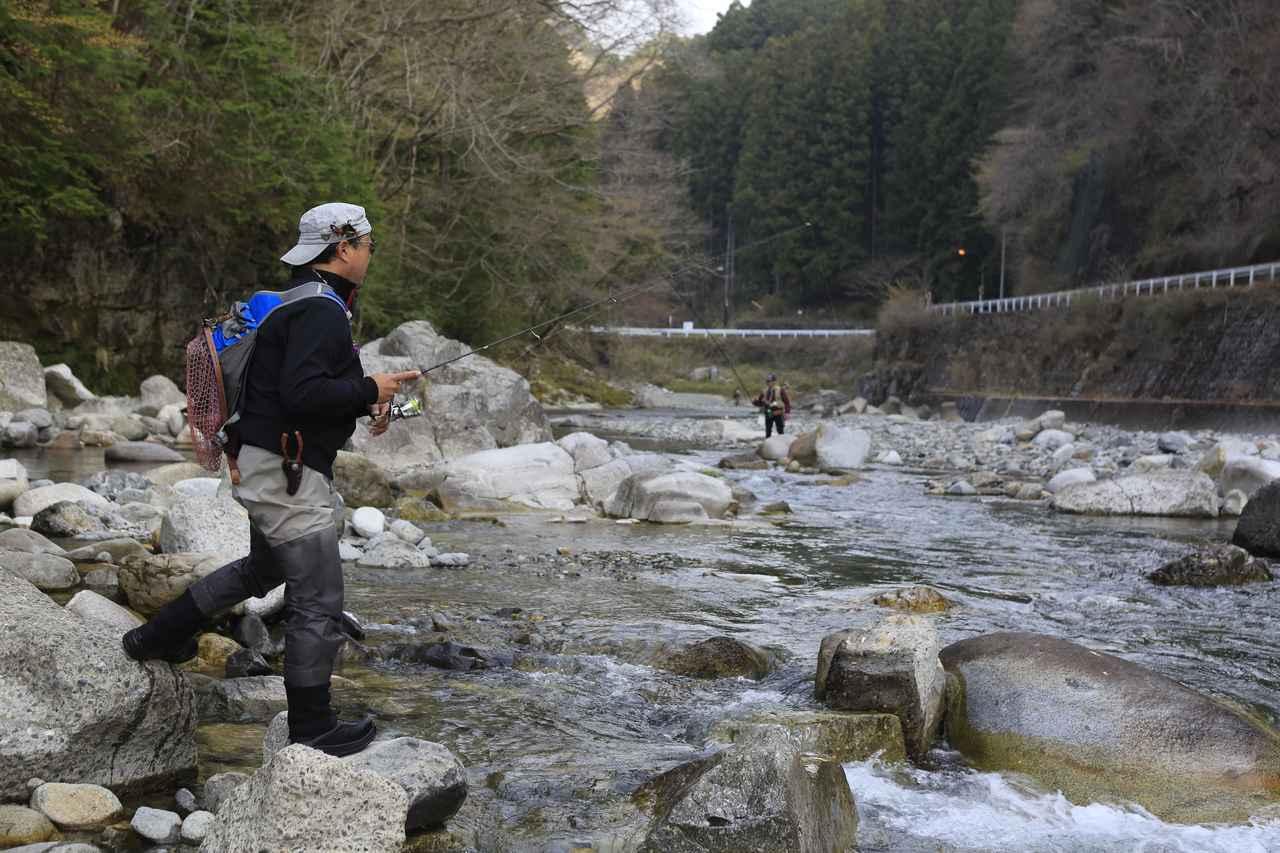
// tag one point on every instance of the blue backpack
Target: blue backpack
(218, 361)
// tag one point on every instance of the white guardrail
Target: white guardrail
(1233, 277)
(683, 332)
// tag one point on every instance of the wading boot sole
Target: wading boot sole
(136, 648)
(344, 738)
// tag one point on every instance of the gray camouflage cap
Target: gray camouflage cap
(324, 225)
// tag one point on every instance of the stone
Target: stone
(1063, 454)
(67, 520)
(1145, 464)
(1219, 565)
(1052, 439)
(840, 448)
(408, 531)
(160, 391)
(1052, 419)
(31, 502)
(368, 522)
(776, 508)
(21, 377)
(391, 552)
(62, 384)
(1187, 494)
(534, 476)
(1174, 442)
(141, 451)
(844, 737)
(360, 481)
(452, 560)
(115, 549)
(196, 826)
(1258, 530)
(890, 457)
(214, 649)
(21, 825)
(238, 700)
(197, 487)
(914, 599)
(717, 657)
(1102, 729)
(252, 633)
(1234, 502)
(431, 775)
(185, 801)
(961, 488)
(92, 607)
(20, 539)
(890, 668)
(110, 483)
(743, 462)
(775, 448)
(130, 724)
(157, 825)
(643, 496)
(47, 572)
(276, 737)
(1247, 474)
(13, 482)
(219, 786)
(587, 451)
(206, 525)
(761, 794)
(168, 475)
(151, 581)
(76, 806)
(1069, 478)
(130, 428)
(600, 483)
(246, 663)
(306, 800)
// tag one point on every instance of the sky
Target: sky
(701, 14)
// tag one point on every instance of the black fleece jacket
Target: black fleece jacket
(306, 375)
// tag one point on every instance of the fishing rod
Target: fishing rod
(413, 407)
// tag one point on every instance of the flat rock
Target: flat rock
(1167, 493)
(31, 502)
(76, 806)
(47, 572)
(844, 737)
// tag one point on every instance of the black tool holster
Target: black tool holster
(292, 465)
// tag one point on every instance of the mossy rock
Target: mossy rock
(844, 737)
(419, 510)
(914, 599)
(718, 657)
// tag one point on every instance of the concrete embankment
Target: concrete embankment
(1190, 360)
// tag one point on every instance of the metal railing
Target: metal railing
(649, 332)
(1232, 277)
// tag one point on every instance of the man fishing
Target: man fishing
(776, 404)
(304, 391)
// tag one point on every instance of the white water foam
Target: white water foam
(968, 810)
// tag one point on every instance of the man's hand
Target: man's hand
(381, 413)
(389, 383)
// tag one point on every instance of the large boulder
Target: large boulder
(75, 707)
(13, 482)
(306, 800)
(836, 447)
(60, 382)
(1217, 565)
(430, 774)
(1247, 474)
(47, 572)
(141, 451)
(468, 406)
(891, 668)
(1069, 478)
(761, 794)
(150, 581)
(671, 496)
(1099, 728)
(1258, 530)
(600, 483)
(206, 525)
(587, 451)
(160, 391)
(21, 378)
(775, 448)
(536, 476)
(360, 481)
(31, 502)
(1169, 493)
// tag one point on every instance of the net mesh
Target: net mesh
(204, 402)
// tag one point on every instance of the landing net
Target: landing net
(205, 407)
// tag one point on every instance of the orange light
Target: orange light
(960, 252)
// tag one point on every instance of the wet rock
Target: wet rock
(76, 806)
(1146, 464)
(1070, 478)
(31, 502)
(153, 580)
(92, 607)
(1102, 729)
(1167, 493)
(844, 737)
(62, 384)
(914, 599)
(304, 799)
(251, 632)
(141, 451)
(1216, 457)
(238, 700)
(1221, 565)
(368, 522)
(761, 794)
(20, 434)
(216, 525)
(390, 552)
(537, 476)
(442, 655)
(1248, 474)
(219, 786)
(717, 657)
(641, 496)
(157, 825)
(419, 510)
(80, 521)
(246, 663)
(215, 649)
(360, 481)
(776, 508)
(46, 571)
(21, 825)
(890, 668)
(743, 462)
(431, 775)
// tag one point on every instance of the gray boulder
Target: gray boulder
(238, 700)
(169, 475)
(1258, 530)
(306, 800)
(1099, 728)
(891, 668)
(159, 391)
(587, 451)
(775, 448)
(1247, 474)
(429, 773)
(19, 539)
(1174, 442)
(837, 447)
(75, 707)
(20, 434)
(151, 581)
(392, 552)
(360, 481)
(761, 794)
(130, 427)
(31, 502)
(115, 549)
(141, 451)
(91, 607)
(47, 572)
(1220, 565)
(1165, 493)
(158, 826)
(21, 377)
(66, 519)
(110, 483)
(207, 525)
(533, 476)
(218, 787)
(13, 482)
(1069, 478)
(600, 483)
(62, 384)
(667, 496)
(844, 737)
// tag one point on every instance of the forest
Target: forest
(522, 157)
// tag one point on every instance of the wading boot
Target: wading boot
(169, 636)
(313, 723)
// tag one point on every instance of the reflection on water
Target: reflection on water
(62, 465)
